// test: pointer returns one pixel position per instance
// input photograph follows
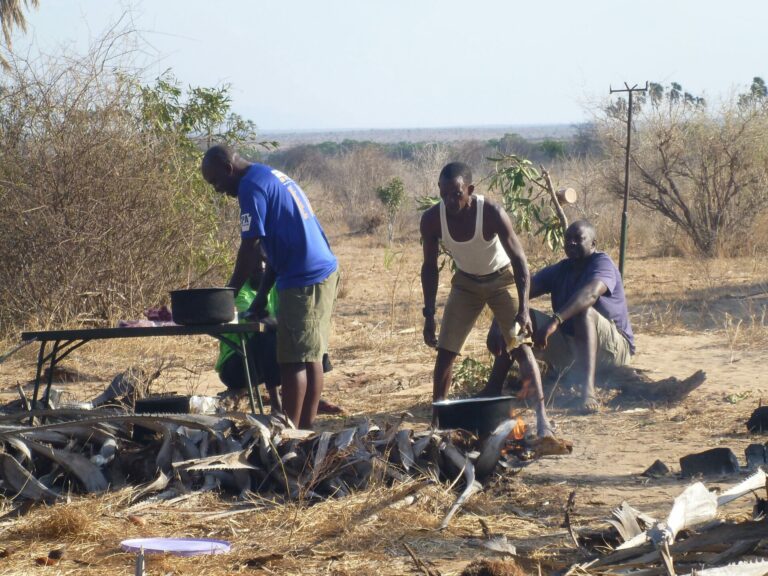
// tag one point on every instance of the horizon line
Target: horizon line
(379, 129)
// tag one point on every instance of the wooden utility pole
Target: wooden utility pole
(623, 247)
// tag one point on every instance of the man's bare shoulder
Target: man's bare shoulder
(495, 215)
(493, 207)
(430, 221)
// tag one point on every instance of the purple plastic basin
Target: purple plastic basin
(177, 546)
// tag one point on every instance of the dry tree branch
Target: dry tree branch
(553, 197)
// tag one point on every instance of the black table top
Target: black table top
(140, 332)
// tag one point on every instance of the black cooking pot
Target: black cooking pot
(478, 415)
(203, 305)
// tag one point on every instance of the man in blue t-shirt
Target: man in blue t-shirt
(277, 221)
(590, 325)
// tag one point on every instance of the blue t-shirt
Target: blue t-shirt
(274, 208)
(564, 279)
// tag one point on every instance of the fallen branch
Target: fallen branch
(420, 564)
(569, 506)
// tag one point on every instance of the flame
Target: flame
(518, 432)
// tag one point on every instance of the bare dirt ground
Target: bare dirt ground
(688, 315)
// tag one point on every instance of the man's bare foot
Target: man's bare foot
(544, 427)
(589, 404)
(544, 431)
(325, 407)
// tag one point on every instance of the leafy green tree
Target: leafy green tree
(530, 199)
(553, 149)
(758, 92)
(191, 120)
(199, 117)
(512, 144)
(391, 196)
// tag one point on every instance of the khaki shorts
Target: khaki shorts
(304, 321)
(467, 299)
(612, 346)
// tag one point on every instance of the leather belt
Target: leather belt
(487, 277)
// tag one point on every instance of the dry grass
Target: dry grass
(382, 369)
(62, 523)
(361, 534)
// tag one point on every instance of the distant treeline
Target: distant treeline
(584, 143)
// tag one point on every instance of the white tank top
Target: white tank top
(476, 256)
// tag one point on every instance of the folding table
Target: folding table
(66, 341)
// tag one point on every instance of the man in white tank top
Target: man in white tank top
(490, 262)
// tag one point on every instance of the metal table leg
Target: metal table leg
(51, 366)
(38, 373)
(59, 351)
(247, 365)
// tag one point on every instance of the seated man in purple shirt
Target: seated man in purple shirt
(590, 325)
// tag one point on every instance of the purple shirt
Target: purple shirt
(563, 280)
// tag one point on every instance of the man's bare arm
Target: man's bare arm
(248, 258)
(430, 240)
(502, 226)
(583, 299)
(495, 340)
(259, 304)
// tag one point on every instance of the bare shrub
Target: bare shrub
(352, 179)
(705, 170)
(428, 161)
(371, 223)
(101, 213)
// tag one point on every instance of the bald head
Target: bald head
(585, 226)
(580, 240)
(219, 154)
(223, 168)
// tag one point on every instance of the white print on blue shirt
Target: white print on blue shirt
(301, 200)
(280, 176)
(245, 222)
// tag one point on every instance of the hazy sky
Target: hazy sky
(334, 64)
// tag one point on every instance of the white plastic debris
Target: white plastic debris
(759, 568)
(106, 454)
(203, 404)
(696, 505)
(754, 482)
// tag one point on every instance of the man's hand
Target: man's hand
(429, 332)
(495, 340)
(524, 319)
(541, 338)
(258, 308)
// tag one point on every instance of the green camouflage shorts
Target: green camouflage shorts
(304, 321)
